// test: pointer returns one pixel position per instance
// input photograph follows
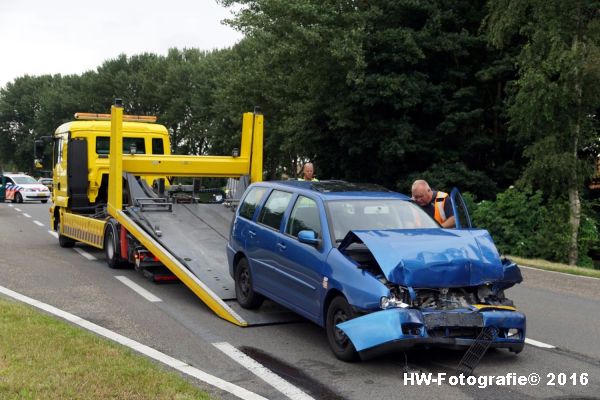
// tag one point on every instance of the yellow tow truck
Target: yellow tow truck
(109, 173)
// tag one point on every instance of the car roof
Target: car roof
(12, 174)
(336, 189)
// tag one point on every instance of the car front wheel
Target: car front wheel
(18, 198)
(340, 311)
(244, 287)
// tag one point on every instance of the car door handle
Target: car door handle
(251, 233)
(281, 246)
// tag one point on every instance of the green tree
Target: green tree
(553, 104)
(383, 91)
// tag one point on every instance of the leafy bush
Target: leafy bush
(524, 223)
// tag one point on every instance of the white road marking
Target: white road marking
(139, 347)
(27, 215)
(17, 209)
(138, 289)
(262, 372)
(557, 272)
(38, 223)
(53, 234)
(539, 344)
(85, 254)
(10, 205)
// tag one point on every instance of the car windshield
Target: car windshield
(347, 215)
(24, 180)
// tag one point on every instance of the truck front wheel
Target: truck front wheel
(64, 241)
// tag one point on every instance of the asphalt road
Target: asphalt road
(562, 311)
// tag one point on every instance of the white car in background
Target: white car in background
(21, 187)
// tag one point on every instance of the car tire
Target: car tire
(339, 311)
(64, 241)
(244, 286)
(111, 246)
(18, 198)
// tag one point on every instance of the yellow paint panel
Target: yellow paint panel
(175, 165)
(115, 182)
(84, 229)
(256, 168)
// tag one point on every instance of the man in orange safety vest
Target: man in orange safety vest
(434, 203)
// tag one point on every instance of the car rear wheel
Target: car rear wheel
(18, 198)
(244, 287)
(340, 311)
(64, 241)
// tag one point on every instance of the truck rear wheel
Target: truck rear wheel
(111, 245)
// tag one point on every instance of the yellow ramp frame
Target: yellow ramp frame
(190, 280)
(249, 162)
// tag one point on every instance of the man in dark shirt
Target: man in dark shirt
(434, 203)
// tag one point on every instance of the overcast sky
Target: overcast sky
(70, 37)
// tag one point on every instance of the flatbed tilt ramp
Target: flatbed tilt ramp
(189, 239)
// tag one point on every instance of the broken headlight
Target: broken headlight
(391, 301)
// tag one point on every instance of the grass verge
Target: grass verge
(552, 266)
(45, 358)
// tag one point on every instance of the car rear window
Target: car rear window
(251, 201)
(274, 208)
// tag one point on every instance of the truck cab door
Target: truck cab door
(461, 212)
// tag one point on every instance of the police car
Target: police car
(21, 187)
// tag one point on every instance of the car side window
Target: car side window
(251, 201)
(304, 216)
(272, 213)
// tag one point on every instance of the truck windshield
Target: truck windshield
(103, 145)
(347, 215)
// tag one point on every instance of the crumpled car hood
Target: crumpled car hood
(432, 258)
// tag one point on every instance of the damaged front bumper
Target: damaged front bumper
(400, 329)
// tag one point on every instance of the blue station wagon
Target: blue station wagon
(371, 267)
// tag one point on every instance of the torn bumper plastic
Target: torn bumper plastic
(401, 329)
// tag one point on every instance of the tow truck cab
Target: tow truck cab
(81, 163)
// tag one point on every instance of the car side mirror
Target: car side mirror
(308, 237)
